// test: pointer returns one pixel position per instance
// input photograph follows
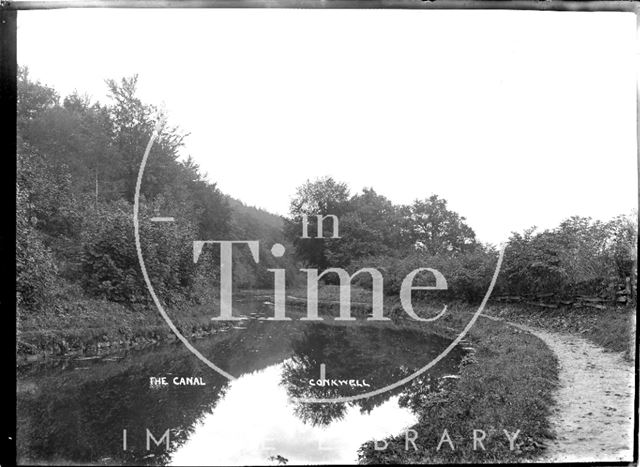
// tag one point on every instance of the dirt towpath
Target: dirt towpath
(593, 416)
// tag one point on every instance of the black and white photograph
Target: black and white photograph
(322, 232)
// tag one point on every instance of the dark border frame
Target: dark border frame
(8, 109)
(8, 117)
(541, 5)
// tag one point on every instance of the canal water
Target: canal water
(104, 410)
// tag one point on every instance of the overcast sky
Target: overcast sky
(516, 118)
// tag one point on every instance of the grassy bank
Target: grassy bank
(76, 325)
(79, 325)
(506, 384)
(612, 328)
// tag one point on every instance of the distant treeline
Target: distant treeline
(78, 162)
(580, 256)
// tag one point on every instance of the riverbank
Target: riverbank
(505, 382)
(84, 326)
(77, 325)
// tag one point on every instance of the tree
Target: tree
(35, 268)
(75, 135)
(581, 255)
(624, 247)
(33, 98)
(370, 227)
(323, 196)
(133, 123)
(78, 165)
(432, 227)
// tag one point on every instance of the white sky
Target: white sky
(516, 118)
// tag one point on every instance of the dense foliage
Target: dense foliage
(371, 225)
(35, 269)
(78, 164)
(581, 255)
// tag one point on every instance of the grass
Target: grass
(81, 325)
(506, 384)
(612, 328)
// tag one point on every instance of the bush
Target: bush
(580, 256)
(35, 269)
(110, 262)
(468, 274)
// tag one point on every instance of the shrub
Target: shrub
(579, 256)
(468, 274)
(35, 269)
(110, 262)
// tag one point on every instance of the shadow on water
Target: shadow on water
(75, 411)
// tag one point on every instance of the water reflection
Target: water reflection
(78, 414)
(371, 356)
(76, 410)
(256, 420)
